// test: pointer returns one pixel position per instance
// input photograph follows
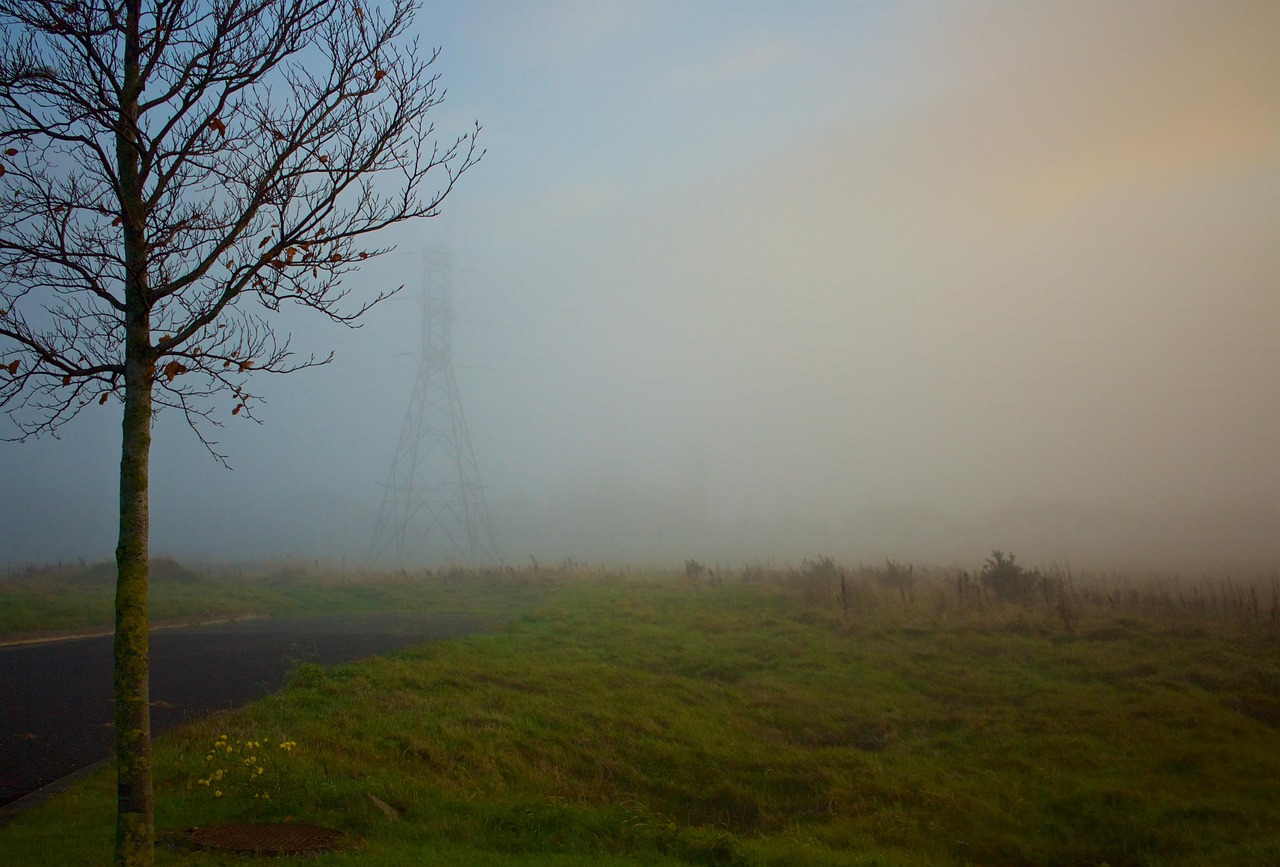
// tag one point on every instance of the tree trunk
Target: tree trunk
(135, 807)
(135, 823)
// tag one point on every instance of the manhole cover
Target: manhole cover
(266, 838)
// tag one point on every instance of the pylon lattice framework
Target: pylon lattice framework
(433, 507)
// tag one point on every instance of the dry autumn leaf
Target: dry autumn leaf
(104, 397)
(218, 126)
(12, 367)
(11, 152)
(236, 411)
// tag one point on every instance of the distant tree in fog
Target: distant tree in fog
(172, 173)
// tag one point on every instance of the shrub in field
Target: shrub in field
(821, 570)
(693, 569)
(1008, 580)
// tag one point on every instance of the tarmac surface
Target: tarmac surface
(55, 696)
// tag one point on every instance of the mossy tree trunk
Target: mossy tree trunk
(135, 817)
(135, 832)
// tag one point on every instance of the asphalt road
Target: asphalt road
(55, 697)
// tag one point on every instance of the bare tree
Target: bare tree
(173, 172)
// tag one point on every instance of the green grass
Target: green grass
(81, 597)
(645, 721)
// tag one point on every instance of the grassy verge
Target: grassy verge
(39, 601)
(766, 719)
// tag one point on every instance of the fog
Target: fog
(773, 281)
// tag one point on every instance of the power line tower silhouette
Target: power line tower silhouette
(433, 506)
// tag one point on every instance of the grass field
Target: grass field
(816, 715)
(35, 601)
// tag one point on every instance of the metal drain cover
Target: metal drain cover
(266, 838)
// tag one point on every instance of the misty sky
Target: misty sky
(741, 281)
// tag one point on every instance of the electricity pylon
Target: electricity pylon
(433, 507)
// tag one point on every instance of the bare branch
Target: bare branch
(272, 139)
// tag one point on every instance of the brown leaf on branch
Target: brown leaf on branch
(172, 369)
(66, 380)
(379, 75)
(218, 126)
(12, 367)
(103, 399)
(11, 152)
(236, 411)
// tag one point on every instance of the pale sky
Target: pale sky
(775, 280)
